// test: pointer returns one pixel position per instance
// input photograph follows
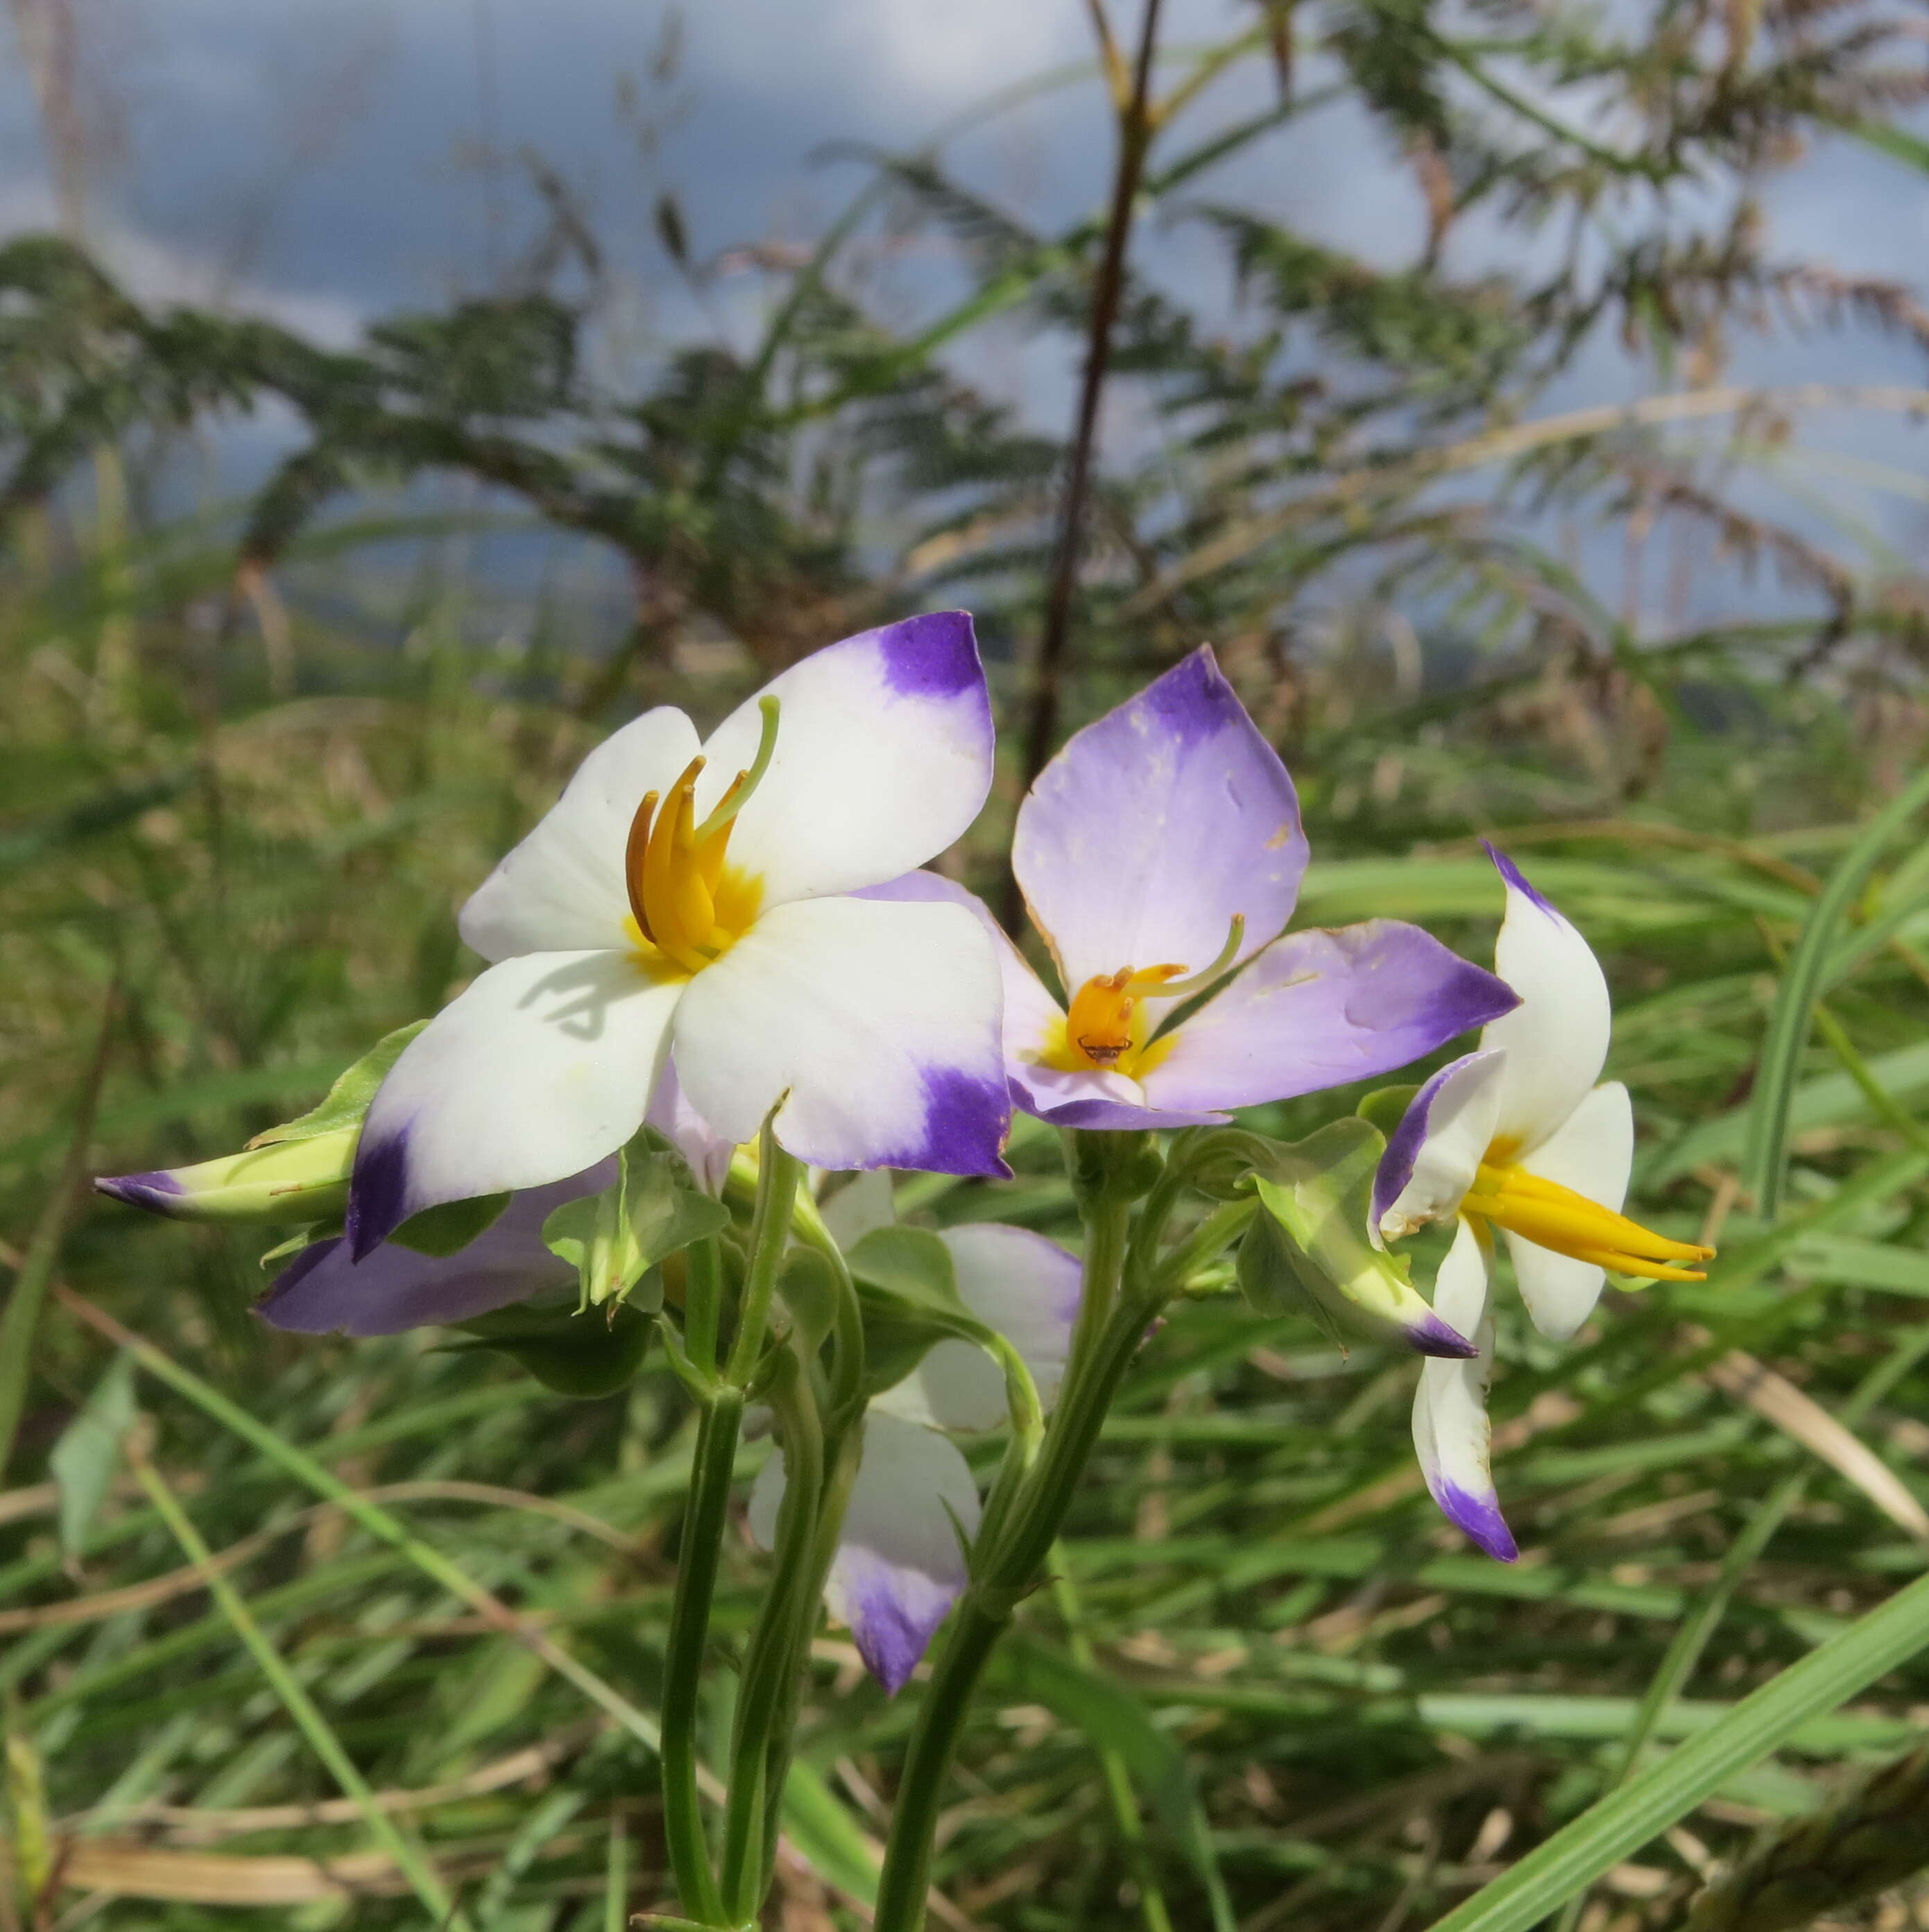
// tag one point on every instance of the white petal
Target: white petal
(879, 1020)
(561, 889)
(1450, 1430)
(883, 758)
(860, 1207)
(899, 1567)
(1431, 1155)
(543, 1066)
(1556, 1039)
(1016, 1282)
(1593, 1154)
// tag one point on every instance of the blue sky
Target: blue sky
(322, 160)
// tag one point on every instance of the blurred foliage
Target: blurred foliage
(245, 773)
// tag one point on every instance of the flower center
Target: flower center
(1106, 1029)
(685, 901)
(1553, 1216)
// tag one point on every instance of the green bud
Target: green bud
(287, 1181)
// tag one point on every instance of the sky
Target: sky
(325, 161)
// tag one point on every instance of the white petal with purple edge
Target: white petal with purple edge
(899, 1567)
(394, 1289)
(880, 1021)
(1556, 1039)
(1593, 1153)
(1022, 1285)
(1142, 839)
(1442, 1138)
(1450, 1430)
(1321, 1008)
(545, 1064)
(883, 758)
(561, 889)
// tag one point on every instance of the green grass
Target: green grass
(1317, 1697)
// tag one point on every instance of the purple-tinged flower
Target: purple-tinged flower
(1518, 1136)
(702, 897)
(1160, 855)
(899, 1566)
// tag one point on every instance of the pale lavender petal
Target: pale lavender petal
(1145, 837)
(394, 1288)
(1442, 1138)
(1321, 1008)
(671, 1114)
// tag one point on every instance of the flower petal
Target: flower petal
(1593, 1153)
(561, 889)
(1321, 1008)
(899, 1568)
(1450, 1430)
(878, 1022)
(1014, 1281)
(323, 1289)
(1145, 836)
(883, 758)
(1556, 1038)
(543, 1066)
(1431, 1157)
(671, 1114)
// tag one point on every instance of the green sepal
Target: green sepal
(1310, 1244)
(808, 1290)
(580, 1355)
(302, 1237)
(347, 1104)
(653, 1209)
(448, 1228)
(1219, 1162)
(910, 1266)
(1385, 1107)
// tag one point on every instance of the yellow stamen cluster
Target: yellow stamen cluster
(1106, 1028)
(1553, 1216)
(686, 902)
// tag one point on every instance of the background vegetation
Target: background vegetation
(254, 752)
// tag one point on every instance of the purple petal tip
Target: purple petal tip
(378, 1195)
(156, 1191)
(1193, 700)
(1479, 1518)
(1433, 1337)
(890, 1639)
(1516, 878)
(966, 1118)
(932, 656)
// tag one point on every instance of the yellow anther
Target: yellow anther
(1108, 1028)
(1550, 1216)
(685, 904)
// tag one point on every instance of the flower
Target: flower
(900, 1565)
(702, 898)
(1517, 1136)
(395, 1287)
(1160, 855)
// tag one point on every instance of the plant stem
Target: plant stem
(697, 1557)
(1134, 138)
(777, 1173)
(1006, 1573)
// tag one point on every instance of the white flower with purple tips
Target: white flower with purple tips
(702, 898)
(1160, 854)
(900, 1565)
(1518, 1136)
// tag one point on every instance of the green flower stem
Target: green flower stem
(777, 1175)
(772, 1652)
(1008, 1564)
(698, 1555)
(702, 1304)
(1206, 1242)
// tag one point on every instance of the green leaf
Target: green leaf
(582, 1354)
(83, 1460)
(346, 1104)
(809, 1291)
(449, 1228)
(1764, 1159)
(1310, 1246)
(910, 1266)
(1115, 1720)
(819, 1823)
(653, 1208)
(1385, 1107)
(1606, 1833)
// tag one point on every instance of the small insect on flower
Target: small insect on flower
(1517, 1136)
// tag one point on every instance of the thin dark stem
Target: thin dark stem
(1135, 134)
